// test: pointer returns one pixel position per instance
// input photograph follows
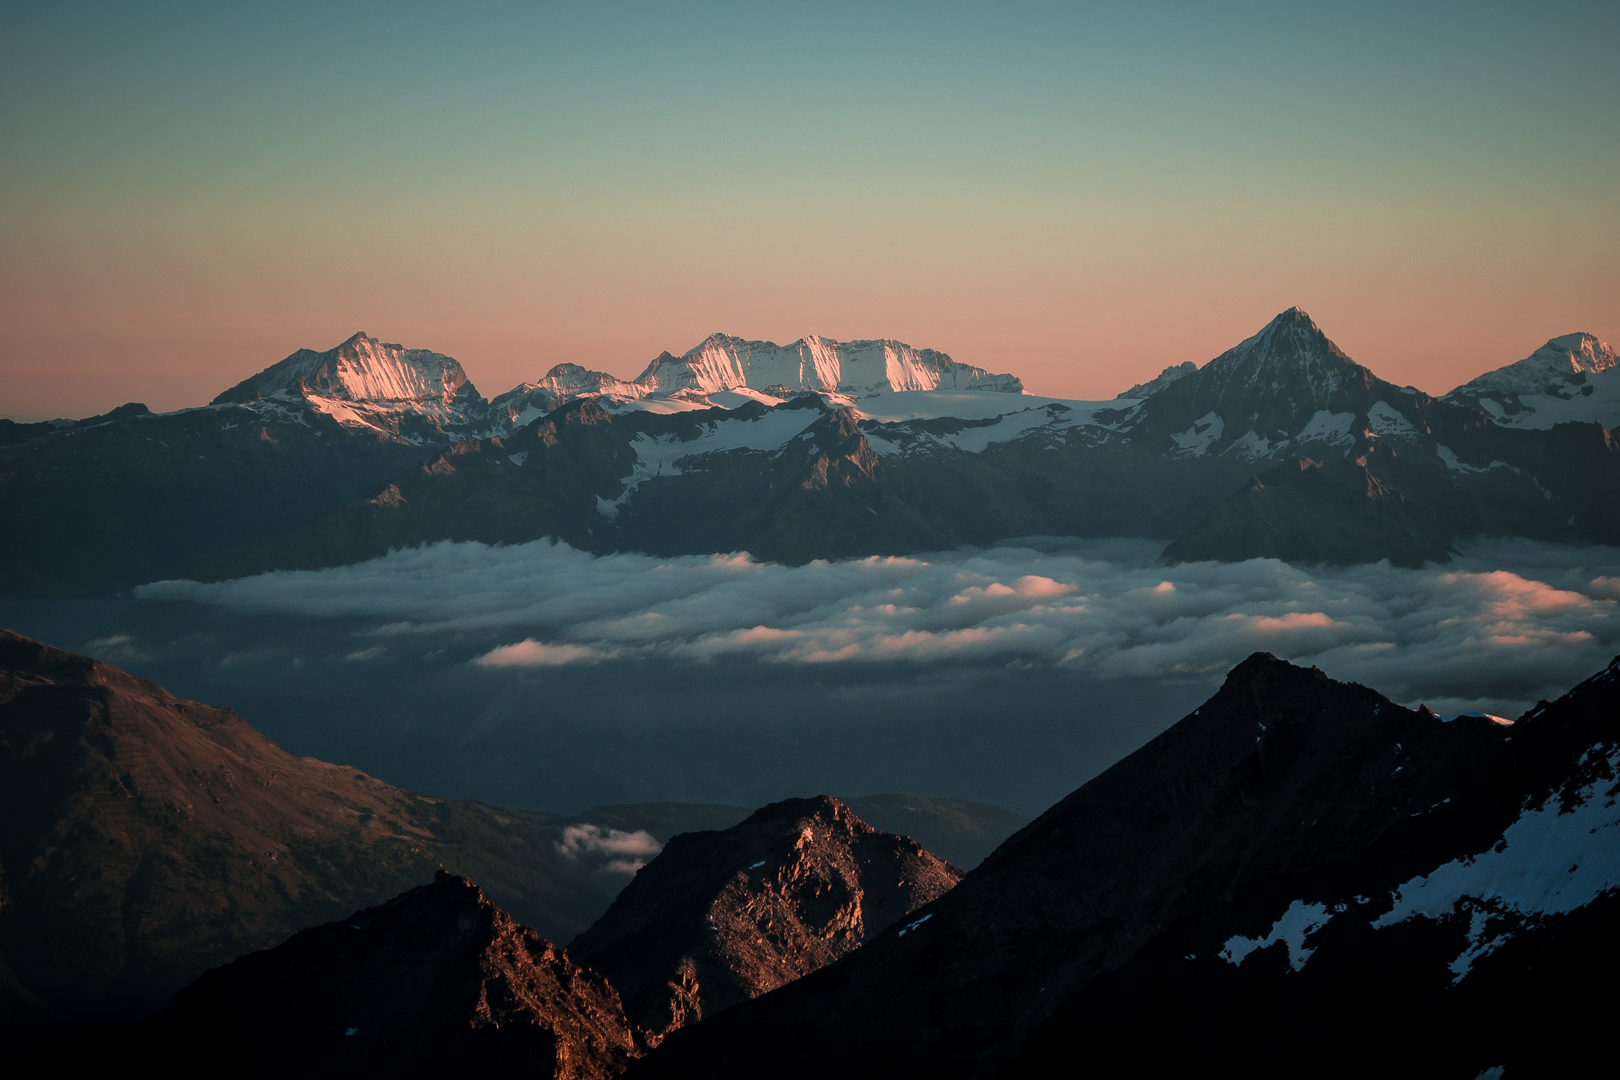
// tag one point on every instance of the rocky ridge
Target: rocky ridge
(727, 371)
(722, 917)
(437, 982)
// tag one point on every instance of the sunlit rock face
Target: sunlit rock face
(721, 917)
(729, 371)
(722, 362)
(414, 395)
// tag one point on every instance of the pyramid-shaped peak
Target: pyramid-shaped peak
(1290, 341)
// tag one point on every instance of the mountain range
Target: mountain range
(1283, 446)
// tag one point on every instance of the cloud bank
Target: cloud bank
(1509, 620)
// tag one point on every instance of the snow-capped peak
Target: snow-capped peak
(410, 395)
(1571, 377)
(1286, 386)
(362, 369)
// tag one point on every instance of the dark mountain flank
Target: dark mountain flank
(144, 839)
(721, 917)
(1305, 512)
(438, 982)
(1288, 812)
(1477, 934)
(960, 831)
(102, 507)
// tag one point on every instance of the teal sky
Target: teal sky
(1078, 194)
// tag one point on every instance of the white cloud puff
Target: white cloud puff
(1509, 620)
(624, 853)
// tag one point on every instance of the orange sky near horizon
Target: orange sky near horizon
(1078, 196)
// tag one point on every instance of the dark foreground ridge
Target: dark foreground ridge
(437, 982)
(721, 917)
(1166, 912)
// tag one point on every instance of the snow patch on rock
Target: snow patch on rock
(1550, 861)
(1329, 427)
(1384, 421)
(1197, 439)
(1292, 927)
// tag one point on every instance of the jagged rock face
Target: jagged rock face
(438, 981)
(1571, 378)
(721, 917)
(362, 369)
(759, 370)
(1281, 775)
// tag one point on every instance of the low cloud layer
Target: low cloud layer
(1509, 621)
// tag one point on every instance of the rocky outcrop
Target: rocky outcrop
(719, 918)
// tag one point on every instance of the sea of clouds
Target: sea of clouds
(1503, 624)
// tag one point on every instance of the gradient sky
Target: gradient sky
(1077, 194)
